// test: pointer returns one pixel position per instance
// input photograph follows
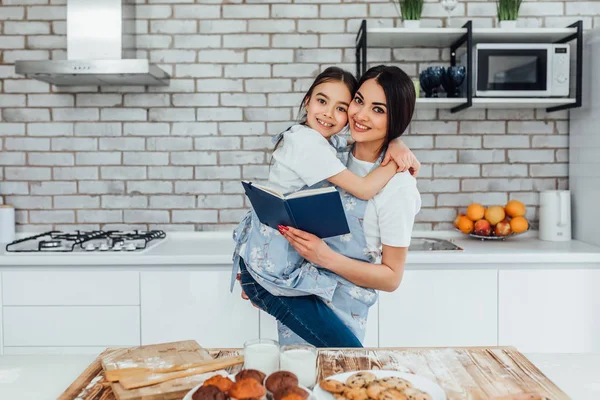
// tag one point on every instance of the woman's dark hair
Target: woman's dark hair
(400, 98)
(331, 74)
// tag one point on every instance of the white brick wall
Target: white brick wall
(172, 157)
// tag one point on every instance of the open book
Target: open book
(317, 211)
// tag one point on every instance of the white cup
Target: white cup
(262, 354)
(301, 360)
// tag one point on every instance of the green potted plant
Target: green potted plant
(508, 11)
(411, 12)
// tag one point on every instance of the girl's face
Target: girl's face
(327, 108)
(368, 113)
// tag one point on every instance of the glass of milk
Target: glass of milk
(301, 359)
(262, 354)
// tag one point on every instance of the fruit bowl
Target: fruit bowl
(492, 236)
(494, 222)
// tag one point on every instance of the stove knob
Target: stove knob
(118, 247)
(130, 247)
(103, 247)
(90, 247)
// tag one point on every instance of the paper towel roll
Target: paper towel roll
(7, 223)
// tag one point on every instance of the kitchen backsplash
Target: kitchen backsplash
(172, 158)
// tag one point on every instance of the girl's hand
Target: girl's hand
(244, 295)
(403, 156)
(309, 246)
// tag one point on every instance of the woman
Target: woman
(372, 256)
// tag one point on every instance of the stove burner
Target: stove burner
(92, 241)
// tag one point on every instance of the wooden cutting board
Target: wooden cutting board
(469, 373)
(162, 355)
(155, 356)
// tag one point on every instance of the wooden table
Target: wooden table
(473, 373)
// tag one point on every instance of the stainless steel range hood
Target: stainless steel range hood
(101, 49)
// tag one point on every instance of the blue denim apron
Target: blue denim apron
(278, 268)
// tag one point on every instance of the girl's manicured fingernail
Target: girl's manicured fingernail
(286, 228)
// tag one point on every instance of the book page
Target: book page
(267, 189)
(310, 192)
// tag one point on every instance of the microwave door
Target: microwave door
(511, 73)
(521, 73)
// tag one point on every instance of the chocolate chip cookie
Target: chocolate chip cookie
(416, 394)
(394, 382)
(360, 379)
(356, 393)
(332, 386)
(392, 394)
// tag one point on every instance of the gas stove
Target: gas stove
(87, 242)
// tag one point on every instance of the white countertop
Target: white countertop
(202, 249)
(45, 377)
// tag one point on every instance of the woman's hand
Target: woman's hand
(309, 246)
(403, 156)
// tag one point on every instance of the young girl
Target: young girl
(305, 156)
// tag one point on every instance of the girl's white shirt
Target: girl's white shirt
(303, 158)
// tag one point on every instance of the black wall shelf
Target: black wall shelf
(467, 36)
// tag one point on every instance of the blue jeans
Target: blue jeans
(307, 316)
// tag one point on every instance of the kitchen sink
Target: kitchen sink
(431, 244)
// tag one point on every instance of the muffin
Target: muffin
(246, 389)
(209, 392)
(252, 374)
(292, 396)
(222, 382)
(283, 392)
(280, 380)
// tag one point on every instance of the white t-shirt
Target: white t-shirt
(303, 158)
(390, 215)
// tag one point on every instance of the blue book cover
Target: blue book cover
(317, 211)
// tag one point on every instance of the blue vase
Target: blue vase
(430, 80)
(453, 79)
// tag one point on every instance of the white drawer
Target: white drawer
(71, 288)
(71, 326)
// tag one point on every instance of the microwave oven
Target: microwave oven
(521, 70)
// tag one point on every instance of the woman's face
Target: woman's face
(327, 108)
(368, 113)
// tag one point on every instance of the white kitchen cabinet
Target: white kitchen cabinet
(182, 305)
(440, 308)
(372, 332)
(71, 288)
(551, 311)
(1, 327)
(71, 326)
(56, 350)
(268, 327)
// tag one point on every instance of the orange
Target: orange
(455, 223)
(475, 212)
(519, 224)
(465, 224)
(515, 208)
(494, 214)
